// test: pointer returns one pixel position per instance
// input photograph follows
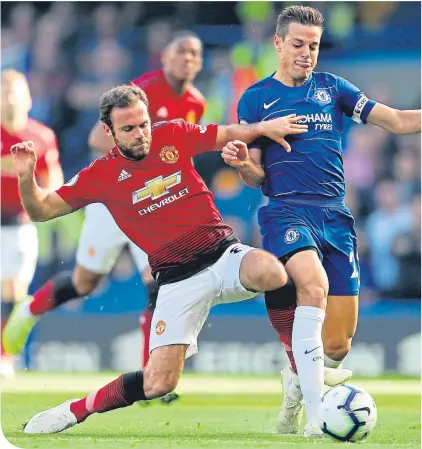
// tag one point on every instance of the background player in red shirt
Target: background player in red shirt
(19, 242)
(171, 95)
(165, 208)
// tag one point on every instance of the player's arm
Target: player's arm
(247, 161)
(276, 130)
(394, 120)
(361, 109)
(40, 204)
(98, 139)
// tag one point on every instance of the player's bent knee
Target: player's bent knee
(261, 271)
(312, 295)
(85, 281)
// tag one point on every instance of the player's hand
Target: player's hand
(24, 158)
(235, 154)
(279, 128)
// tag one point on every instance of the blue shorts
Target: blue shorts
(326, 225)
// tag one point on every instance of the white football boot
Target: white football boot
(290, 416)
(53, 420)
(336, 376)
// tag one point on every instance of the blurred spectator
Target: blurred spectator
(158, 36)
(407, 251)
(406, 171)
(390, 219)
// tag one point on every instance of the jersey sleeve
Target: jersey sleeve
(82, 189)
(354, 103)
(247, 113)
(199, 138)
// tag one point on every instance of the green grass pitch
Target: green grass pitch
(201, 420)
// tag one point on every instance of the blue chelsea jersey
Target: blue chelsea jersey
(315, 164)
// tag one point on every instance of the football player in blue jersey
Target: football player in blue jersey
(306, 222)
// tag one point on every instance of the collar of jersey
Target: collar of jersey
(291, 87)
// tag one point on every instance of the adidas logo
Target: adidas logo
(123, 175)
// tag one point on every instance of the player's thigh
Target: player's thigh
(341, 261)
(340, 322)
(101, 240)
(243, 271)
(139, 257)
(181, 310)
(19, 252)
(294, 241)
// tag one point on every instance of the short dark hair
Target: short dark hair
(304, 15)
(120, 97)
(182, 35)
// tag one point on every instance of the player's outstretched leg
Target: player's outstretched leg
(55, 292)
(159, 378)
(281, 306)
(145, 324)
(306, 271)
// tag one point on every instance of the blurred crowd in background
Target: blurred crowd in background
(73, 51)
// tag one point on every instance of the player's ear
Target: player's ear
(277, 43)
(107, 130)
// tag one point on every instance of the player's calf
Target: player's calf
(85, 281)
(164, 369)
(336, 350)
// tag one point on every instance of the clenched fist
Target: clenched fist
(24, 158)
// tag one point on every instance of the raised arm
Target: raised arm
(98, 139)
(276, 130)
(394, 120)
(40, 204)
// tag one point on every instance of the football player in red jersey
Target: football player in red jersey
(171, 95)
(19, 242)
(164, 207)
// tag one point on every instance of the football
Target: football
(347, 413)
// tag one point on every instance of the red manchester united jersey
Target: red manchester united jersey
(160, 203)
(47, 153)
(165, 104)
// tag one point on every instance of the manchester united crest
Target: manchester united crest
(160, 328)
(169, 155)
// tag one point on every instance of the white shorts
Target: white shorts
(102, 241)
(182, 307)
(19, 252)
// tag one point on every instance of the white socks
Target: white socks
(309, 355)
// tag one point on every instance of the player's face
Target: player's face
(15, 99)
(131, 130)
(183, 58)
(298, 52)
